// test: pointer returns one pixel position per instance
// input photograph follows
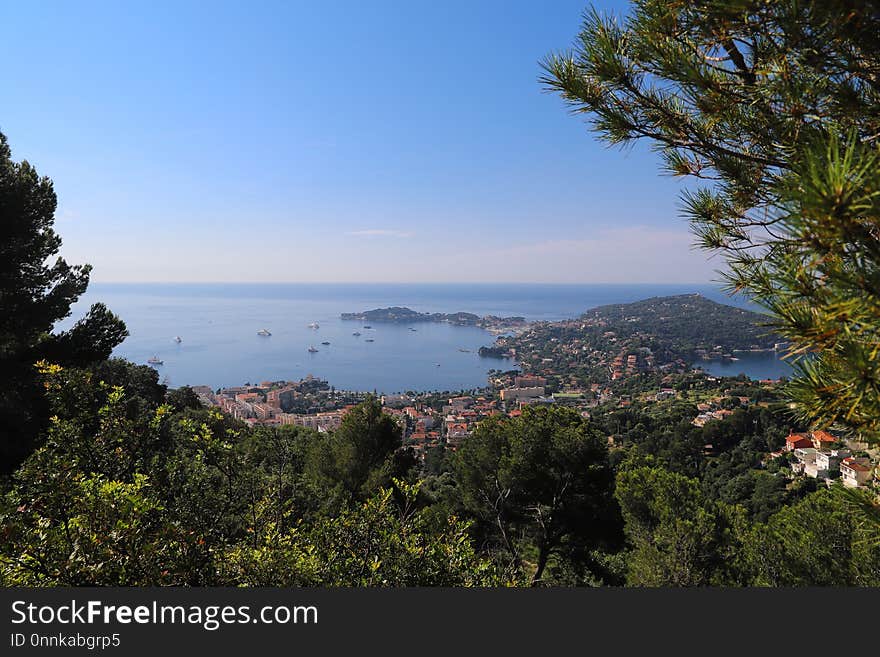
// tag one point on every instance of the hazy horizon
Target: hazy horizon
(362, 282)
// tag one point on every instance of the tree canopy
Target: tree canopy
(542, 479)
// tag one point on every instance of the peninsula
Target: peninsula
(403, 315)
(642, 341)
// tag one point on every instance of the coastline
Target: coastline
(218, 324)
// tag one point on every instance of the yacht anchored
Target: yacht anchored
(356, 334)
(369, 340)
(312, 350)
(314, 325)
(264, 332)
(155, 360)
(178, 339)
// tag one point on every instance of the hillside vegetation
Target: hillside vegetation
(688, 322)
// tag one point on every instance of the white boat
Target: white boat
(314, 325)
(178, 339)
(312, 350)
(264, 332)
(155, 360)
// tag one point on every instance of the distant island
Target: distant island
(403, 315)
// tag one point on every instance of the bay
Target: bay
(218, 326)
(755, 365)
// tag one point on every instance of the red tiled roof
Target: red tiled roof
(855, 465)
(798, 440)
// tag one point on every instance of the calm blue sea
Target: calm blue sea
(758, 365)
(218, 324)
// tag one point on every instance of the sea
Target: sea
(219, 344)
(756, 365)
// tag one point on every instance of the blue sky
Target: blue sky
(349, 141)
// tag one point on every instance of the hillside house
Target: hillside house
(855, 472)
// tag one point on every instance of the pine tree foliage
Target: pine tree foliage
(37, 289)
(773, 107)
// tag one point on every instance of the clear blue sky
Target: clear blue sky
(314, 141)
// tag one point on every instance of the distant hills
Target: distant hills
(688, 323)
(640, 342)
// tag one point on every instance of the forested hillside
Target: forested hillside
(689, 322)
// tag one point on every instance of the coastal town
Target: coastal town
(600, 368)
(430, 422)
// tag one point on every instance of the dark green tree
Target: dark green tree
(816, 542)
(359, 457)
(274, 461)
(374, 543)
(774, 107)
(482, 491)
(542, 481)
(181, 398)
(37, 289)
(677, 537)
